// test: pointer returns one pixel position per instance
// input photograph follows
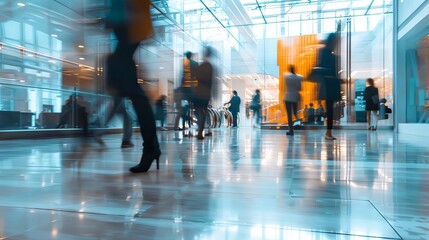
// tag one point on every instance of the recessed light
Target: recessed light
(30, 55)
(21, 4)
(81, 46)
(81, 58)
(54, 35)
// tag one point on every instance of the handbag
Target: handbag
(317, 74)
(375, 99)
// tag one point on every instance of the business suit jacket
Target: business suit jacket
(330, 85)
(234, 104)
(292, 87)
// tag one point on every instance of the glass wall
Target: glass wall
(412, 65)
(51, 52)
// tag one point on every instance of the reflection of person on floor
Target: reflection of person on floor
(291, 98)
(202, 92)
(234, 107)
(131, 23)
(73, 115)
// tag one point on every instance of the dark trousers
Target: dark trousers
(257, 115)
(122, 75)
(119, 107)
(201, 113)
(291, 108)
(329, 113)
(234, 118)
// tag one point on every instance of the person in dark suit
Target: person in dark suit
(329, 86)
(256, 107)
(234, 107)
(292, 87)
(372, 104)
(131, 23)
(202, 91)
(184, 91)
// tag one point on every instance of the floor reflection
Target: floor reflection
(240, 183)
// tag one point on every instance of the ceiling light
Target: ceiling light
(81, 46)
(54, 35)
(21, 4)
(81, 58)
(161, 67)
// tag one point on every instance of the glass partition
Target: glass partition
(49, 51)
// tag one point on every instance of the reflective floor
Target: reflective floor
(238, 184)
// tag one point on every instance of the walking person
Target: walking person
(292, 87)
(119, 106)
(234, 107)
(202, 92)
(372, 104)
(256, 106)
(131, 23)
(329, 86)
(161, 111)
(184, 91)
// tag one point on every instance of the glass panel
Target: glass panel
(48, 69)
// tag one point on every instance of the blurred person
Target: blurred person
(73, 115)
(305, 111)
(202, 91)
(372, 104)
(320, 113)
(330, 88)
(119, 106)
(293, 86)
(384, 110)
(311, 114)
(256, 106)
(161, 110)
(184, 91)
(131, 23)
(234, 107)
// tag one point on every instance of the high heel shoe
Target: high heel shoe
(146, 161)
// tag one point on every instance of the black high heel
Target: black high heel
(146, 161)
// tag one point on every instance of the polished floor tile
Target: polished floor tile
(238, 184)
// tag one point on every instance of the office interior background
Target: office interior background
(50, 50)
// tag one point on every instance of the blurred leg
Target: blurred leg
(128, 124)
(289, 110)
(329, 113)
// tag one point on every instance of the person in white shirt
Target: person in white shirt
(292, 86)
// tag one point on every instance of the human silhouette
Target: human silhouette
(234, 107)
(161, 110)
(372, 104)
(119, 106)
(131, 23)
(311, 114)
(184, 91)
(202, 91)
(329, 86)
(320, 113)
(292, 87)
(256, 107)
